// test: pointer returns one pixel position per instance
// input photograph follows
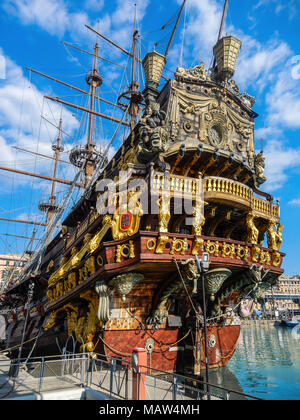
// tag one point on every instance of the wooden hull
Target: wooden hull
(175, 355)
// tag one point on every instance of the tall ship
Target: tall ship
(120, 270)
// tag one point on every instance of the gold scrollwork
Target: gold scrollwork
(100, 261)
(242, 252)
(276, 259)
(212, 248)
(179, 245)
(228, 250)
(162, 240)
(197, 245)
(151, 244)
(264, 257)
(255, 253)
(126, 251)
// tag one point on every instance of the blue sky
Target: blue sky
(31, 35)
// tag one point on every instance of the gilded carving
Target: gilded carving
(77, 255)
(195, 74)
(252, 231)
(190, 272)
(179, 245)
(198, 218)
(162, 240)
(124, 283)
(228, 250)
(72, 281)
(152, 133)
(214, 279)
(264, 257)
(134, 211)
(126, 251)
(276, 259)
(50, 295)
(151, 244)
(255, 253)
(259, 166)
(242, 252)
(197, 245)
(103, 307)
(212, 248)
(49, 266)
(274, 235)
(164, 213)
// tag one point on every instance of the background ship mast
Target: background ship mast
(51, 207)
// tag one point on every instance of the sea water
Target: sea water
(266, 363)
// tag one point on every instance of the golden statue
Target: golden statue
(274, 235)
(252, 231)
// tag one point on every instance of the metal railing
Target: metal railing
(113, 378)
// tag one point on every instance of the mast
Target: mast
(22, 221)
(223, 20)
(221, 26)
(175, 29)
(47, 178)
(134, 84)
(51, 207)
(94, 80)
(20, 236)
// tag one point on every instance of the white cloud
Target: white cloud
(280, 6)
(295, 202)
(258, 63)
(283, 99)
(21, 106)
(95, 5)
(50, 15)
(279, 159)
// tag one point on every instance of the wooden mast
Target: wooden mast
(20, 236)
(40, 154)
(94, 80)
(117, 46)
(74, 87)
(52, 207)
(88, 52)
(175, 29)
(99, 114)
(134, 85)
(22, 221)
(45, 177)
(221, 25)
(223, 20)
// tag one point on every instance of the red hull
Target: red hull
(169, 354)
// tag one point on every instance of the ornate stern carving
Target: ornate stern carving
(214, 279)
(259, 166)
(164, 214)
(124, 283)
(252, 231)
(195, 74)
(274, 235)
(152, 133)
(159, 311)
(103, 307)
